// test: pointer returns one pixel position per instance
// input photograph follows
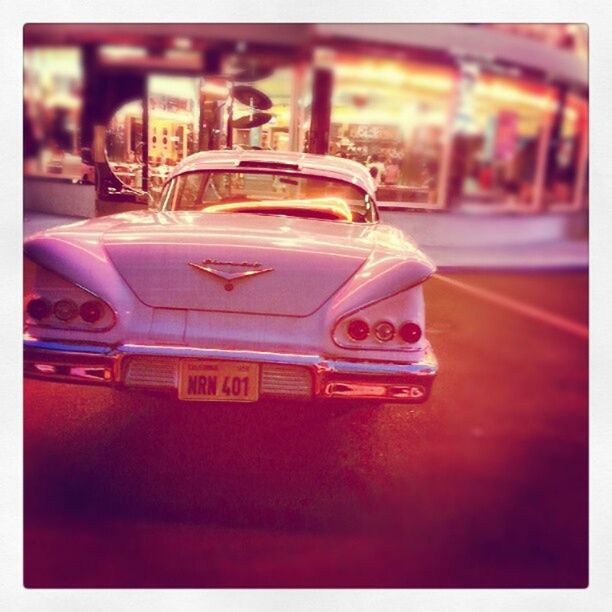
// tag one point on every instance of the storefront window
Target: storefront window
(124, 144)
(173, 124)
(273, 134)
(570, 153)
(173, 132)
(499, 134)
(52, 111)
(393, 116)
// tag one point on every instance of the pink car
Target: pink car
(261, 274)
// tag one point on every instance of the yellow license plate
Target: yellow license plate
(218, 381)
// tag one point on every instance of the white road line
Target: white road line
(533, 312)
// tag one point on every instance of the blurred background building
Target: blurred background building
(489, 118)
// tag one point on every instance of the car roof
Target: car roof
(328, 166)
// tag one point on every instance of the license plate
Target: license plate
(218, 381)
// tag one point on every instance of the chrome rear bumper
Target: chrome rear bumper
(297, 376)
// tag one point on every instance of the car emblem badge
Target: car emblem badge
(226, 270)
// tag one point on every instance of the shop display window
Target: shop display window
(274, 134)
(173, 127)
(52, 113)
(567, 168)
(124, 144)
(173, 124)
(501, 125)
(393, 116)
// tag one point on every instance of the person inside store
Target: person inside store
(376, 168)
(391, 173)
(31, 143)
(59, 141)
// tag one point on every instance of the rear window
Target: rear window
(268, 193)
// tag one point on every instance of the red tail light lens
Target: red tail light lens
(358, 329)
(38, 308)
(410, 332)
(91, 311)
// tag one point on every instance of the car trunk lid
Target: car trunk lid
(248, 263)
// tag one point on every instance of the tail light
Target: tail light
(38, 309)
(52, 301)
(65, 310)
(410, 332)
(358, 329)
(384, 331)
(393, 323)
(91, 311)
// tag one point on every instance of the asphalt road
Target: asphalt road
(484, 486)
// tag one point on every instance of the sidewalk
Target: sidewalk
(557, 255)
(36, 221)
(546, 255)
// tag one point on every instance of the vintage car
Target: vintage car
(259, 274)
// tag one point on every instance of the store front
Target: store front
(437, 132)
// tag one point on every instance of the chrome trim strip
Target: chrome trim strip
(46, 345)
(425, 367)
(230, 276)
(211, 353)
